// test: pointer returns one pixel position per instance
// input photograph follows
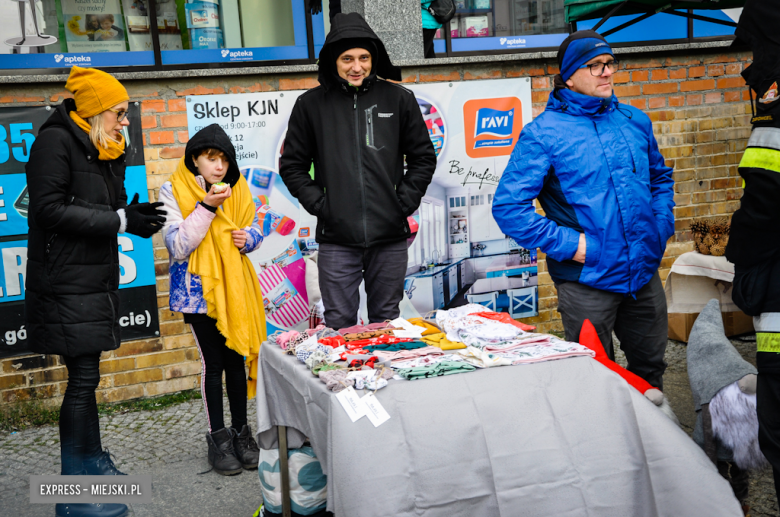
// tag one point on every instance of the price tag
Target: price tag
(352, 404)
(374, 410)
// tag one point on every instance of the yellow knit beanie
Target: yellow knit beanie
(94, 91)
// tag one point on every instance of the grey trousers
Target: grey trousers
(641, 324)
(342, 268)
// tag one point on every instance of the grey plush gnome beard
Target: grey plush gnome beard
(735, 424)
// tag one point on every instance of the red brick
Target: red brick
(630, 90)
(696, 71)
(734, 68)
(659, 75)
(640, 75)
(184, 136)
(677, 100)
(156, 105)
(20, 98)
(537, 110)
(745, 95)
(175, 105)
(731, 82)
(439, 78)
(160, 137)
(656, 102)
(692, 86)
(174, 120)
(720, 59)
(148, 121)
(656, 88)
(491, 74)
(638, 103)
(200, 90)
(64, 94)
(537, 96)
(680, 73)
(712, 98)
(526, 72)
(731, 96)
(715, 70)
(257, 87)
(552, 70)
(621, 77)
(651, 63)
(171, 152)
(694, 100)
(540, 83)
(304, 83)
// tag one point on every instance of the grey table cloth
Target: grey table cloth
(563, 438)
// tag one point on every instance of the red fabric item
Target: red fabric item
(381, 340)
(590, 338)
(504, 317)
(333, 342)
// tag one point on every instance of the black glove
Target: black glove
(316, 6)
(144, 219)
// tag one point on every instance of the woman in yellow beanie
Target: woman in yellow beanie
(78, 204)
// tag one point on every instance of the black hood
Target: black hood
(213, 137)
(61, 118)
(353, 26)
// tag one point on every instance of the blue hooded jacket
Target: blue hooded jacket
(595, 167)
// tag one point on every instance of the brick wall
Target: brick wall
(700, 113)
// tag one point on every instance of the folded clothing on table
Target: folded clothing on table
(437, 370)
(440, 340)
(408, 354)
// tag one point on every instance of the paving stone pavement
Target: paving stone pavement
(169, 444)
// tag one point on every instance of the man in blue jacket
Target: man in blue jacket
(595, 167)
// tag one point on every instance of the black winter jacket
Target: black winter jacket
(71, 301)
(357, 139)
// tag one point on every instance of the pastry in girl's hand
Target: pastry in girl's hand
(220, 187)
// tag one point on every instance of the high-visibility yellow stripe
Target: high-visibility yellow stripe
(768, 342)
(768, 159)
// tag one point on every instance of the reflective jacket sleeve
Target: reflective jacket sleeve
(420, 157)
(297, 159)
(513, 207)
(662, 190)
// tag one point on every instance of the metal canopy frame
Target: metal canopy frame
(669, 9)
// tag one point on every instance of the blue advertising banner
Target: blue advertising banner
(138, 298)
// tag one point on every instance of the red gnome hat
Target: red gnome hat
(590, 338)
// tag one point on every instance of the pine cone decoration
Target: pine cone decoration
(706, 244)
(717, 250)
(699, 226)
(724, 241)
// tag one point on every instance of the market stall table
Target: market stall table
(559, 438)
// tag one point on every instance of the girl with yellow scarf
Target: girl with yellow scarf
(211, 226)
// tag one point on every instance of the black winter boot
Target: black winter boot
(247, 451)
(90, 510)
(102, 466)
(222, 455)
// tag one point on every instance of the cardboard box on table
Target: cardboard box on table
(693, 281)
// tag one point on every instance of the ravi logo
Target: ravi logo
(58, 57)
(492, 126)
(225, 53)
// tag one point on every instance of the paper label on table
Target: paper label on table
(415, 332)
(352, 404)
(374, 410)
(402, 323)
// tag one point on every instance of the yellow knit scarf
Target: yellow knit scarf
(114, 150)
(230, 285)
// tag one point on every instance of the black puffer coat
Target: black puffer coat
(72, 302)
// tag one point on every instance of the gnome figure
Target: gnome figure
(724, 396)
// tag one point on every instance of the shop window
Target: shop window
(702, 29)
(225, 31)
(62, 33)
(483, 25)
(658, 27)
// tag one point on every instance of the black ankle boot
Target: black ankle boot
(247, 451)
(222, 455)
(90, 510)
(102, 466)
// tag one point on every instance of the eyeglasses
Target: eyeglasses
(121, 114)
(597, 69)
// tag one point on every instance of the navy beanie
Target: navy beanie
(579, 48)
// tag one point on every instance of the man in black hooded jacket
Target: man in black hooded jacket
(357, 129)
